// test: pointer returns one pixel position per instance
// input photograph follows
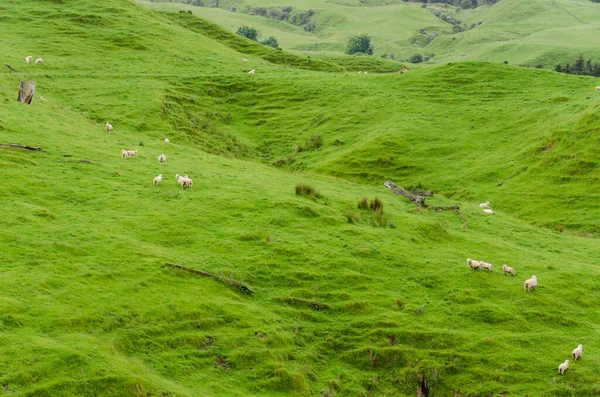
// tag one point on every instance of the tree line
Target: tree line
(580, 66)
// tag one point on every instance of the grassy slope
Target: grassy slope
(524, 33)
(88, 309)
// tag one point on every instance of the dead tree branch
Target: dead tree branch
(243, 288)
(418, 198)
(11, 68)
(19, 146)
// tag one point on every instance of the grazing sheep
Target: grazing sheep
(167, 140)
(132, 153)
(244, 60)
(162, 158)
(359, 72)
(488, 211)
(577, 353)
(563, 367)
(188, 181)
(124, 153)
(508, 269)
(365, 73)
(530, 284)
(157, 180)
(473, 264)
(485, 205)
(109, 127)
(181, 180)
(38, 61)
(29, 58)
(598, 89)
(252, 71)
(485, 265)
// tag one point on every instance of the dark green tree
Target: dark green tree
(271, 42)
(360, 43)
(248, 32)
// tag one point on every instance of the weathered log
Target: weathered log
(223, 280)
(26, 91)
(19, 146)
(10, 67)
(419, 200)
(421, 193)
(312, 304)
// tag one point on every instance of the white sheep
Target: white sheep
(485, 265)
(38, 61)
(563, 367)
(132, 153)
(124, 153)
(167, 140)
(485, 205)
(530, 284)
(598, 89)
(109, 127)
(508, 269)
(157, 180)
(252, 71)
(244, 60)
(28, 59)
(359, 72)
(473, 264)
(365, 73)
(162, 158)
(488, 211)
(577, 353)
(181, 180)
(188, 181)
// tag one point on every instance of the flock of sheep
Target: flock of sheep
(184, 181)
(37, 61)
(528, 285)
(486, 207)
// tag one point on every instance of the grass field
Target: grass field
(527, 33)
(87, 307)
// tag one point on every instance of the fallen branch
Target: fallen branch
(19, 146)
(418, 198)
(10, 67)
(223, 280)
(312, 304)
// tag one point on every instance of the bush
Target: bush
(248, 32)
(360, 43)
(271, 42)
(306, 190)
(377, 206)
(417, 58)
(363, 204)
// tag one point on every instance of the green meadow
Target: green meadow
(533, 33)
(88, 306)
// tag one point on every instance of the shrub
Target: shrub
(307, 190)
(417, 58)
(360, 43)
(271, 42)
(248, 32)
(377, 206)
(363, 204)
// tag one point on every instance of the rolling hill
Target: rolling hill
(88, 306)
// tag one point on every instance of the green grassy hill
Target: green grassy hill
(88, 307)
(527, 33)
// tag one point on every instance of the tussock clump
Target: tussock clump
(363, 204)
(377, 206)
(308, 191)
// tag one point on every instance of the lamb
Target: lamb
(29, 58)
(157, 180)
(508, 269)
(485, 205)
(162, 158)
(577, 353)
(181, 180)
(530, 284)
(563, 367)
(473, 264)
(598, 89)
(124, 153)
(38, 61)
(188, 181)
(109, 127)
(132, 153)
(365, 73)
(485, 265)
(252, 72)
(359, 72)
(167, 140)
(488, 211)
